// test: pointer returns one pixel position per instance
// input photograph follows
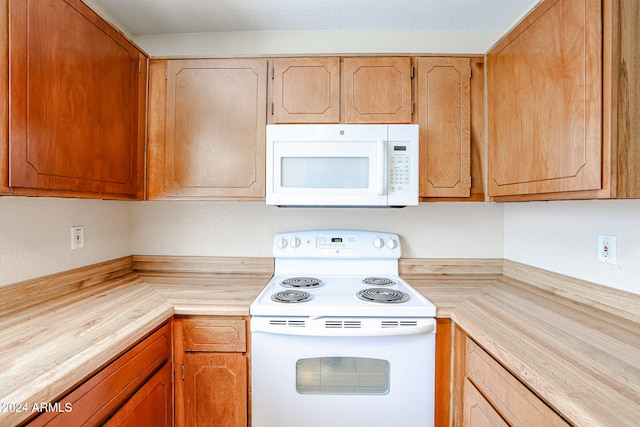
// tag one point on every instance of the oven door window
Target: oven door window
(342, 375)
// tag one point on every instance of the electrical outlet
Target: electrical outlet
(77, 237)
(607, 249)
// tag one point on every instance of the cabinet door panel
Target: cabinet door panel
(215, 128)
(444, 115)
(545, 102)
(77, 101)
(215, 389)
(377, 90)
(306, 90)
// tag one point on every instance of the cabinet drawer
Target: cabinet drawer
(214, 335)
(477, 410)
(512, 399)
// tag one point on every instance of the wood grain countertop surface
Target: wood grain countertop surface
(583, 360)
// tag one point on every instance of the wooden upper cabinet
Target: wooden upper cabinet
(377, 90)
(306, 90)
(76, 104)
(207, 129)
(444, 116)
(545, 102)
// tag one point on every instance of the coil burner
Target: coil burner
(302, 282)
(378, 281)
(382, 295)
(291, 296)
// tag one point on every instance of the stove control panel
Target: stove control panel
(337, 244)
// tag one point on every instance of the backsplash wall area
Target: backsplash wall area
(562, 237)
(237, 229)
(35, 235)
(557, 236)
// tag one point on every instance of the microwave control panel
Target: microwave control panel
(399, 169)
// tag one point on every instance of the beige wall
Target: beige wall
(430, 230)
(35, 235)
(557, 236)
(563, 237)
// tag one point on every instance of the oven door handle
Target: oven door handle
(346, 330)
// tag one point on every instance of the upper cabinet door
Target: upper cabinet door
(545, 102)
(377, 90)
(444, 116)
(306, 90)
(213, 145)
(77, 103)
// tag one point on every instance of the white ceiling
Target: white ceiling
(147, 17)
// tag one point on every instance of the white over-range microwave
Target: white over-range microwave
(342, 165)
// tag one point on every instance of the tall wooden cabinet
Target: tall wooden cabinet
(76, 107)
(444, 115)
(207, 129)
(211, 380)
(562, 96)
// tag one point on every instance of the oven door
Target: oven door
(342, 378)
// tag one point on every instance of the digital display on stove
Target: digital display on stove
(344, 242)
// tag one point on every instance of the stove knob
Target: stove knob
(295, 242)
(281, 243)
(392, 243)
(378, 243)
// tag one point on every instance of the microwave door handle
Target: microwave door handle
(381, 167)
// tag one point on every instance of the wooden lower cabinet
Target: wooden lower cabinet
(133, 390)
(150, 405)
(487, 394)
(211, 380)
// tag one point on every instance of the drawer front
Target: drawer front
(477, 410)
(512, 399)
(218, 335)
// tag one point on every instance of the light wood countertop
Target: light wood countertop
(583, 360)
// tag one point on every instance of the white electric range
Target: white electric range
(337, 327)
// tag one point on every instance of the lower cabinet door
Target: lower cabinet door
(215, 389)
(150, 406)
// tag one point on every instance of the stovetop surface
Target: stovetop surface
(341, 259)
(337, 297)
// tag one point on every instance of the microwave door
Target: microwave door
(329, 173)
